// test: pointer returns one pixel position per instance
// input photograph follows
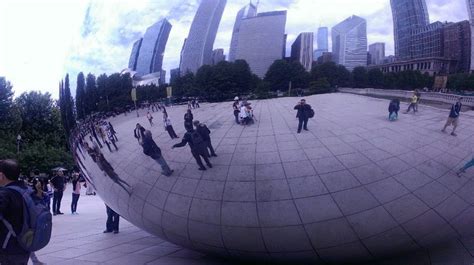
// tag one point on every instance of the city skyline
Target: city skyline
(91, 42)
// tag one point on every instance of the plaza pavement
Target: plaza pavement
(389, 167)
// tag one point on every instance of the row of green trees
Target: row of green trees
(36, 118)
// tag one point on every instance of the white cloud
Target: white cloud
(44, 38)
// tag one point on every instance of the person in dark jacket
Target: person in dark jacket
(393, 109)
(198, 147)
(138, 132)
(303, 114)
(58, 183)
(152, 150)
(113, 218)
(205, 133)
(11, 207)
(453, 118)
(188, 120)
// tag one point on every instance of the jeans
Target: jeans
(164, 166)
(303, 122)
(412, 106)
(211, 149)
(75, 199)
(236, 118)
(57, 197)
(112, 220)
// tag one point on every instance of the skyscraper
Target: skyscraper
(132, 62)
(302, 50)
(198, 47)
(247, 11)
(470, 11)
(261, 40)
(217, 56)
(322, 42)
(377, 53)
(408, 15)
(152, 48)
(349, 42)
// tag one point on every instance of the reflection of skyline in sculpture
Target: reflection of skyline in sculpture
(202, 34)
(247, 11)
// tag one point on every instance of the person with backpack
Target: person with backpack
(151, 149)
(138, 132)
(305, 112)
(453, 118)
(198, 147)
(205, 133)
(39, 196)
(393, 109)
(59, 186)
(25, 226)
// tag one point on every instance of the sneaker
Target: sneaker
(453, 134)
(116, 232)
(107, 231)
(60, 213)
(209, 165)
(202, 168)
(171, 173)
(214, 155)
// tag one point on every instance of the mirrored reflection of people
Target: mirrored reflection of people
(111, 137)
(112, 130)
(112, 224)
(453, 118)
(106, 167)
(138, 132)
(188, 120)
(152, 150)
(169, 127)
(303, 115)
(205, 133)
(94, 133)
(150, 118)
(59, 186)
(198, 147)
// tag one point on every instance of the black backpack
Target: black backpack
(310, 113)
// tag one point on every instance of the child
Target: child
(393, 109)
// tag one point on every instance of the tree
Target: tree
(336, 75)
(67, 105)
(91, 95)
(359, 77)
(320, 86)
(80, 96)
(281, 73)
(375, 78)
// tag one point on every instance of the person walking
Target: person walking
(418, 98)
(11, 208)
(198, 147)
(111, 137)
(169, 127)
(414, 100)
(453, 118)
(304, 113)
(151, 149)
(138, 132)
(76, 191)
(112, 130)
(59, 186)
(236, 108)
(150, 118)
(112, 224)
(205, 133)
(188, 120)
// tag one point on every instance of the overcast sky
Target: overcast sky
(42, 40)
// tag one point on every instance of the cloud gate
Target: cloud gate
(354, 188)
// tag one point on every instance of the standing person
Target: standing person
(453, 118)
(188, 120)
(412, 105)
(112, 130)
(11, 208)
(244, 115)
(393, 109)
(189, 104)
(104, 137)
(112, 224)
(150, 118)
(304, 113)
(197, 103)
(59, 186)
(193, 102)
(169, 127)
(138, 132)
(151, 149)
(76, 192)
(111, 137)
(236, 108)
(205, 133)
(198, 147)
(39, 196)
